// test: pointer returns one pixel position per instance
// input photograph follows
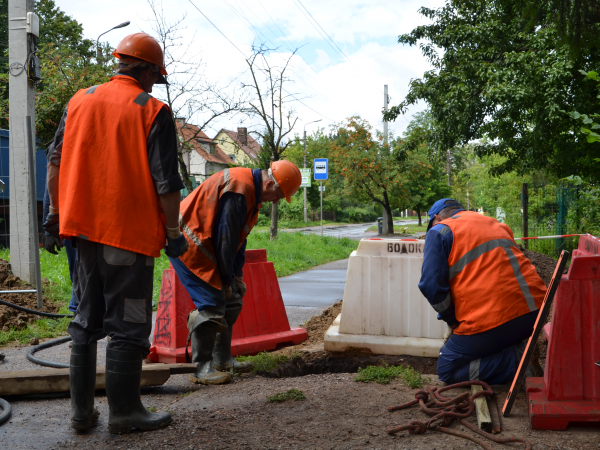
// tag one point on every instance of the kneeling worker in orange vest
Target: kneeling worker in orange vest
(114, 190)
(216, 218)
(485, 289)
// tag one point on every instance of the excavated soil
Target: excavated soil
(11, 318)
(544, 264)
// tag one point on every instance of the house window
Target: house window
(232, 156)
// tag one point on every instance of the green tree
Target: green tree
(370, 169)
(498, 77)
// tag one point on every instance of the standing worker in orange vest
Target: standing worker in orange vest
(114, 190)
(216, 218)
(485, 289)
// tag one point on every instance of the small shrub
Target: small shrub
(384, 374)
(292, 394)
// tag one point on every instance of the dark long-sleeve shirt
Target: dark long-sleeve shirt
(228, 228)
(435, 281)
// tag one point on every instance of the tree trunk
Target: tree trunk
(388, 209)
(274, 220)
(419, 215)
(184, 174)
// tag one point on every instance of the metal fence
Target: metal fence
(548, 210)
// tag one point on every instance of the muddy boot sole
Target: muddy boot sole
(83, 426)
(128, 428)
(241, 368)
(211, 381)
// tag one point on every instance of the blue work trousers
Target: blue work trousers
(204, 296)
(71, 255)
(489, 356)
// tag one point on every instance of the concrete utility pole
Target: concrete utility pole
(21, 105)
(384, 225)
(385, 108)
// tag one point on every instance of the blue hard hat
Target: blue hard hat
(438, 206)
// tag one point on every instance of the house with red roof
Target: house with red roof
(204, 157)
(239, 146)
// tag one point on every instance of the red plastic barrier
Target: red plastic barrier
(262, 325)
(570, 388)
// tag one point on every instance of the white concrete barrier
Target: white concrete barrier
(383, 307)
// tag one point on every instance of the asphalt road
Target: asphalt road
(353, 231)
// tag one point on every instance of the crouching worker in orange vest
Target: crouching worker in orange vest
(216, 219)
(485, 289)
(114, 190)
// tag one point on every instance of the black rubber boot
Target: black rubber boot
(126, 412)
(82, 379)
(222, 359)
(203, 342)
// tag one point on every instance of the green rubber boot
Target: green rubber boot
(82, 380)
(203, 341)
(126, 412)
(222, 359)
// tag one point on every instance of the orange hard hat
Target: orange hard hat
(142, 46)
(287, 176)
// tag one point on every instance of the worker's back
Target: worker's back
(107, 194)
(491, 281)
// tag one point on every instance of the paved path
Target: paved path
(352, 231)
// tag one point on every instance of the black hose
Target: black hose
(33, 311)
(43, 346)
(6, 411)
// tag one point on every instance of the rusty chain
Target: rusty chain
(445, 411)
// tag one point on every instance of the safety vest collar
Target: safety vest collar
(128, 79)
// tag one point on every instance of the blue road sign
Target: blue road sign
(321, 169)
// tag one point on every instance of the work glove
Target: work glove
(53, 244)
(176, 246)
(51, 225)
(240, 286)
(227, 291)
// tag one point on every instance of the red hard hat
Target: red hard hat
(144, 47)
(287, 176)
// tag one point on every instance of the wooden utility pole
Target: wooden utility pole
(384, 226)
(23, 225)
(448, 162)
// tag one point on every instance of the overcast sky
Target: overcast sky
(333, 83)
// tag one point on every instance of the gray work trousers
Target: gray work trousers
(114, 287)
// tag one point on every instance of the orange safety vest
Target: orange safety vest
(491, 281)
(106, 192)
(199, 211)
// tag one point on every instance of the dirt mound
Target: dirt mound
(544, 264)
(11, 318)
(318, 325)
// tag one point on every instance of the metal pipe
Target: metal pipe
(32, 191)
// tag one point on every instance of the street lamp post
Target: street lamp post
(305, 212)
(98, 49)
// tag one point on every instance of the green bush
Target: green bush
(355, 214)
(293, 211)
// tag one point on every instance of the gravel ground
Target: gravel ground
(338, 413)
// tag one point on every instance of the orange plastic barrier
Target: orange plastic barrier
(262, 325)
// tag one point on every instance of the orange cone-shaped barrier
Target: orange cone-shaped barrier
(262, 325)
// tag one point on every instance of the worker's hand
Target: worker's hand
(240, 286)
(51, 225)
(176, 246)
(227, 291)
(53, 244)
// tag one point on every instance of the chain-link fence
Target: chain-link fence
(547, 210)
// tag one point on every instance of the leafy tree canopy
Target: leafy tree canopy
(498, 77)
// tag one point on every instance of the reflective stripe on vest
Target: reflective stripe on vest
(481, 249)
(197, 242)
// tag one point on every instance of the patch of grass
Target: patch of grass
(293, 252)
(385, 374)
(160, 264)
(292, 394)
(298, 224)
(151, 408)
(264, 362)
